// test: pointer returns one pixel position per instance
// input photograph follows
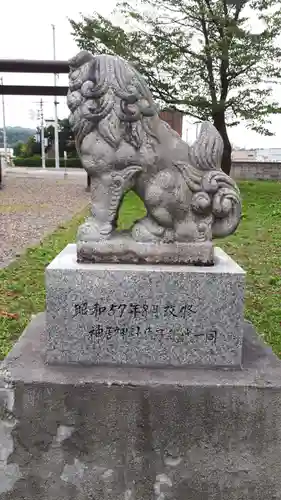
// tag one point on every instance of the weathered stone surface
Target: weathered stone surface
(123, 249)
(123, 145)
(144, 315)
(115, 433)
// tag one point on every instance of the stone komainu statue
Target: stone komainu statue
(124, 145)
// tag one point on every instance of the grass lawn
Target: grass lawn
(256, 246)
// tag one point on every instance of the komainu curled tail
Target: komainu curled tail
(223, 192)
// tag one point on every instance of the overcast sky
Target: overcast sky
(26, 33)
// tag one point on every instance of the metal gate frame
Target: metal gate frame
(32, 66)
(29, 66)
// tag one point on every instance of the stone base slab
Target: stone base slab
(144, 315)
(115, 433)
(125, 249)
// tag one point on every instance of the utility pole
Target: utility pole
(4, 128)
(42, 135)
(57, 152)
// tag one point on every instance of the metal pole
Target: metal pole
(42, 135)
(88, 188)
(65, 162)
(57, 152)
(4, 128)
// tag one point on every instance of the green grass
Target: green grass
(22, 289)
(256, 246)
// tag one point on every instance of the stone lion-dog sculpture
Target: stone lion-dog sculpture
(124, 145)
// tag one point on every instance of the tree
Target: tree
(200, 56)
(18, 151)
(66, 137)
(49, 133)
(30, 148)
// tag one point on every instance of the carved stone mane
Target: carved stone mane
(106, 93)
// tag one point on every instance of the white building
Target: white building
(269, 154)
(260, 155)
(10, 153)
(244, 155)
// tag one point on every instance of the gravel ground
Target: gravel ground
(30, 208)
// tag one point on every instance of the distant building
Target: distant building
(10, 153)
(173, 118)
(261, 155)
(244, 155)
(269, 154)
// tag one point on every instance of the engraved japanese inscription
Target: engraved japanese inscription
(140, 320)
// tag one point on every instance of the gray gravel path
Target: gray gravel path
(30, 208)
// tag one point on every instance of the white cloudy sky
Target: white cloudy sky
(26, 33)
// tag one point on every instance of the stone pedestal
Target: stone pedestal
(115, 433)
(122, 249)
(144, 315)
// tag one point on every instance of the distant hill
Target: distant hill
(16, 134)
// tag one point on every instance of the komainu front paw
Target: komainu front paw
(94, 231)
(147, 230)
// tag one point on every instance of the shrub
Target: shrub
(35, 161)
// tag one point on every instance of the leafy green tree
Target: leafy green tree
(66, 138)
(208, 58)
(30, 147)
(49, 132)
(18, 151)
